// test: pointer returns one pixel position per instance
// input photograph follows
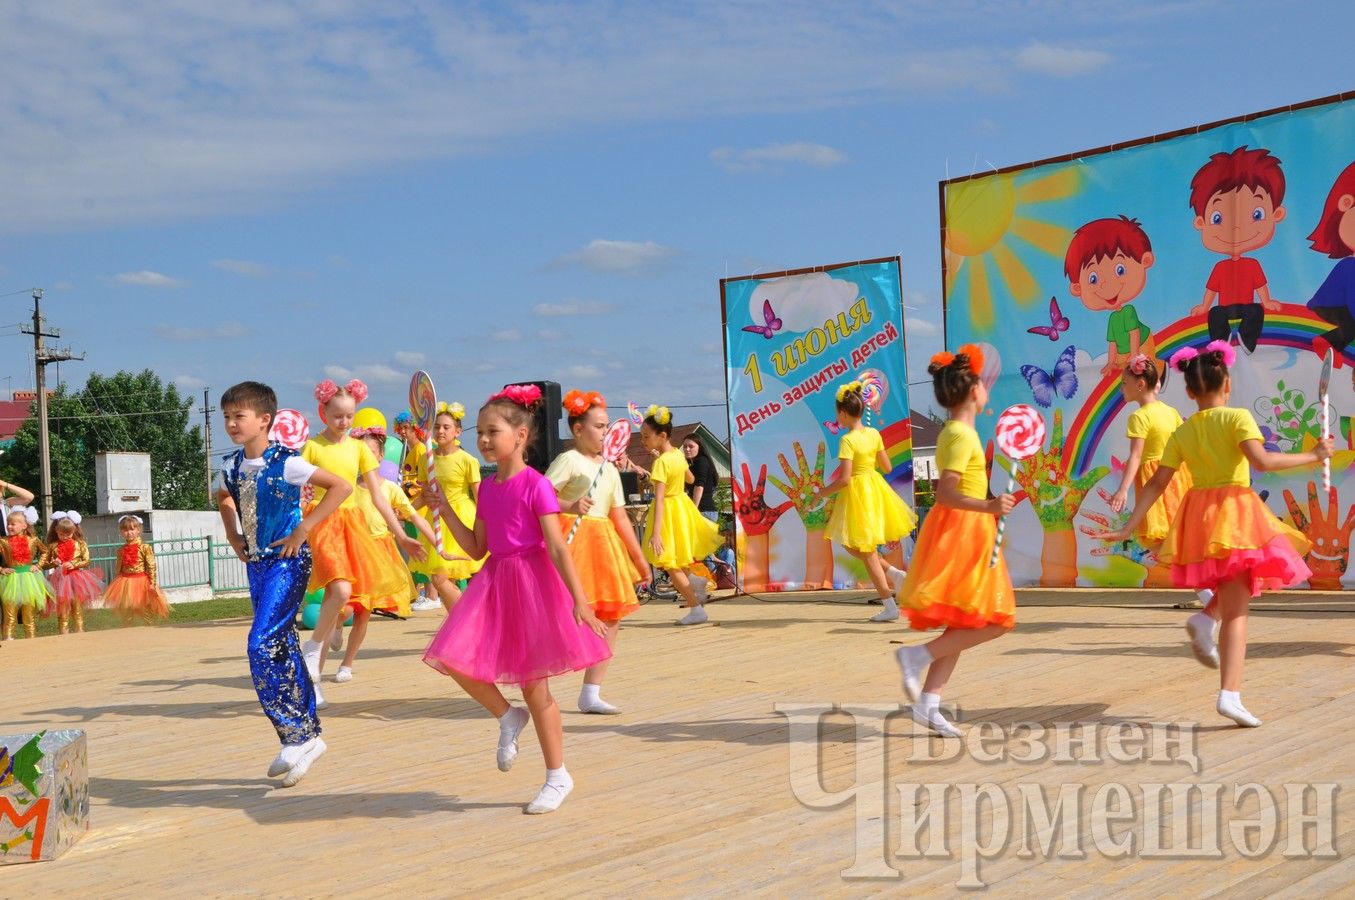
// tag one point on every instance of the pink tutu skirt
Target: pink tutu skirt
(515, 624)
(1274, 567)
(77, 588)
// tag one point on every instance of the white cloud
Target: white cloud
(188, 383)
(921, 327)
(222, 331)
(410, 358)
(550, 334)
(146, 278)
(1060, 62)
(572, 308)
(243, 267)
(371, 373)
(628, 257)
(802, 302)
(582, 372)
(506, 336)
(756, 159)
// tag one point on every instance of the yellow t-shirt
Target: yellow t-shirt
(348, 458)
(1210, 443)
(456, 472)
(670, 470)
(1153, 423)
(861, 446)
(404, 510)
(572, 474)
(958, 449)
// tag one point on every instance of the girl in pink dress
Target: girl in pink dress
(524, 616)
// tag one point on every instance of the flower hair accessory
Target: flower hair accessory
(975, 356)
(455, 410)
(327, 390)
(576, 403)
(851, 387)
(73, 516)
(1181, 357)
(1138, 364)
(29, 513)
(943, 359)
(659, 414)
(1223, 349)
(524, 395)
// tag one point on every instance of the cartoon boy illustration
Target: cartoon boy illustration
(1107, 266)
(1334, 236)
(1236, 197)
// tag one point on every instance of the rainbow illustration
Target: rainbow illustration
(1293, 326)
(898, 441)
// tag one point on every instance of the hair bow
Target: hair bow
(659, 414)
(29, 513)
(974, 354)
(524, 395)
(73, 516)
(1224, 349)
(849, 387)
(576, 403)
(1138, 364)
(455, 410)
(127, 516)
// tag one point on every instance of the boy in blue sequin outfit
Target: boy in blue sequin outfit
(260, 501)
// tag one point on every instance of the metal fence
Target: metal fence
(182, 563)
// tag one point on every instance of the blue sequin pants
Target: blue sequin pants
(276, 588)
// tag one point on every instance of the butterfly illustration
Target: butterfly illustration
(771, 324)
(833, 426)
(1062, 382)
(1057, 322)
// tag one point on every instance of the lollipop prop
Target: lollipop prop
(290, 429)
(874, 392)
(614, 444)
(633, 413)
(1323, 384)
(1020, 435)
(423, 405)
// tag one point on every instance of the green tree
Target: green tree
(125, 412)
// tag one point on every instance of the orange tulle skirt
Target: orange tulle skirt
(399, 601)
(133, 596)
(605, 569)
(1155, 525)
(949, 583)
(343, 549)
(1226, 533)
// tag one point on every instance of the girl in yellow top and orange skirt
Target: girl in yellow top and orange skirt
(951, 584)
(676, 534)
(1224, 538)
(868, 513)
(347, 562)
(602, 543)
(458, 475)
(1148, 429)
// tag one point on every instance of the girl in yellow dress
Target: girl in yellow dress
(347, 562)
(1148, 428)
(869, 513)
(1224, 538)
(369, 427)
(676, 534)
(458, 474)
(607, 557)
(950, 584)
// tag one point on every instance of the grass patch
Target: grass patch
(233, 607)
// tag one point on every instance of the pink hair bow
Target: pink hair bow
(524, 395)
(1224, 349)
(1138, 364)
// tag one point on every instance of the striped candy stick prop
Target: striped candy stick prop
(423, 405)
(1020, 435)
(1323, 387)
(614, 445)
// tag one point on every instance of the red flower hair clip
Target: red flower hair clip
(524, 395)
(576, 403)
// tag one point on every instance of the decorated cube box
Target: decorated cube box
(44, 794)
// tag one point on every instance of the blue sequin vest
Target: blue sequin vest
(268, 506)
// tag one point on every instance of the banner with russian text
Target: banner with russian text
(1069, 268)
(791, 338)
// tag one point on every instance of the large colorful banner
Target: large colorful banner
(791, 338)
(1243, 230)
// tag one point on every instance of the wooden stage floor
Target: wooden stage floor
(697, 788)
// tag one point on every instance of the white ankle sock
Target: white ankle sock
(558, 777)
(929, 702)
(590, 693)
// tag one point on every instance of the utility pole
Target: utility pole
(207, 410)
(42, 357)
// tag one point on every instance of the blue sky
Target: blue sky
(510, 191)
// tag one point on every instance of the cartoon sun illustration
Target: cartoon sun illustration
(983, 216)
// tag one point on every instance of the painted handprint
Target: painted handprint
(1330, 553)
(1158, 574)
(802, 485)
(1056, 498)
(756, 519)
